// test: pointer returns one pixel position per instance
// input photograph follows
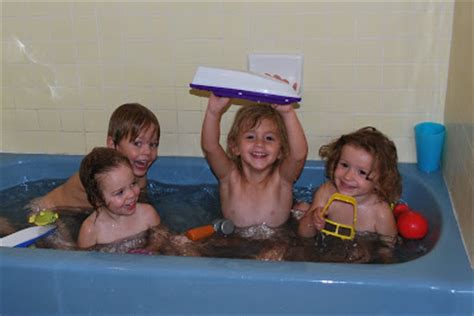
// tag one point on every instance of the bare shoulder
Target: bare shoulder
(325, 191)
(88, 232)
(382, 210)
(148, 212)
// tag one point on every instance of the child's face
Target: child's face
(141, 151)
(259, 147)
(352, 171)
(119, 190)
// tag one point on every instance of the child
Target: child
(112, 189)
(362, 165)
(266, 152)
(134, 131)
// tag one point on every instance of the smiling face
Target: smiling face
(119, 190)
(259, 147)
(141, 151)
(354, 174)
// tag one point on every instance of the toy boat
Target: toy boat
(27, 236)
(244, 85)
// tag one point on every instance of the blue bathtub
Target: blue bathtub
(45, 281)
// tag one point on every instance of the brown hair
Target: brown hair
(250, 116)
(100, 160)
(129, 119)
(384, 151)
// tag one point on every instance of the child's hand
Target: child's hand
(217, 105)
(278, 77)
(318, 218)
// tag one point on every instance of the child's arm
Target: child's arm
(291, 167)
(213, 151)
(70, 195)
(88, 234)
(313, 221)
(385, 224)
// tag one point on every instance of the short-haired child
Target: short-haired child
(135, 132)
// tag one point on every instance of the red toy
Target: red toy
(399, 209)
(410, 224)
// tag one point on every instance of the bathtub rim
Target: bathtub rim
(451, 277)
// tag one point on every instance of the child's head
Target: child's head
(380, 151)
(251, 117)
(107, 176)
(134, 131)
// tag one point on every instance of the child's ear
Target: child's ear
(235, 149)
(110, 142)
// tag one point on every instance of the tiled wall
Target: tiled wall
(66, 66)
(458, 168)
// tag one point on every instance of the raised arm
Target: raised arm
(213, 151)
(291, 167)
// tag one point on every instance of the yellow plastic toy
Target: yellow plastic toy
(44, 217)
(342, 231)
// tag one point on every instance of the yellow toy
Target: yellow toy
(44, 217)
(342, 231)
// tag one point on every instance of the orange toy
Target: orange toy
(200, 232)
(223, 226)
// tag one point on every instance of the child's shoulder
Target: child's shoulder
(148, 212)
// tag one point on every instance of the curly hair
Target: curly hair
(129, 119)
(384, 151)
(99, 161)
(249, 117)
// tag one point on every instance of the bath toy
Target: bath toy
(399, 209)
(244, 85)
(223, 226)
(26, 237)
(412, 225)
(342, 231)
(44, 217)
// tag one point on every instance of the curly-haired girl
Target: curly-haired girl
(363, 165)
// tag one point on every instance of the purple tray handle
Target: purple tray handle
(247, 95)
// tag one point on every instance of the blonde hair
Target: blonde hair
(384, 151)
(249, 117)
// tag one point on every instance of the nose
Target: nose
(349, 174)
(259, 142)
(145, 150)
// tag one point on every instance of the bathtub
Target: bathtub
(50, 281)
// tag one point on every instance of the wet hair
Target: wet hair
(249, 117)
(99, 161)
(129, 119)
(388, 183)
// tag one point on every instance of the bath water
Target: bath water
(182, 207)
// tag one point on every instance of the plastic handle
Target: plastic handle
(201, 232)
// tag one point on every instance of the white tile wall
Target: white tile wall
(66, 66)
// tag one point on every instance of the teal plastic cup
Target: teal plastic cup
(429, 139)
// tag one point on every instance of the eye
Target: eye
(269, 138)
(138, 143)
(118, 193)
(134, 184)
(154, 145)
(249, 136)
(363, 173)
(344, 164)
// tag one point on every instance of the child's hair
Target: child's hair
(129, 119)
(384, 151)
(100, 160)
(250, 116)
